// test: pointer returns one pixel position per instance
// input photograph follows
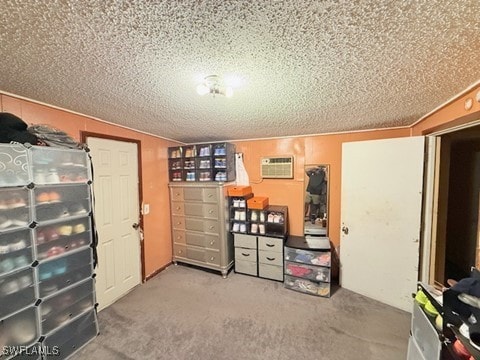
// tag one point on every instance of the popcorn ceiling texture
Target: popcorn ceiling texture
(307, 67)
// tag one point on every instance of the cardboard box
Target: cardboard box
(239, 190)
(257, 202)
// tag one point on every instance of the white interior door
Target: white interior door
(115, 184)
(382, 184)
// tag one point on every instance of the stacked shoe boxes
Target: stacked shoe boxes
(202, 162)
(46, 256)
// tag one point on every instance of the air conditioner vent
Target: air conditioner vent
(277, 167)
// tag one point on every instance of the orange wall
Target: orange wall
(157, 239)
(451, 114)
(321, 149)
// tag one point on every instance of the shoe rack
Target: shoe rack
(202, 162)
(47, 292)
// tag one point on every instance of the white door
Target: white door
(115, 184)
(382, 184)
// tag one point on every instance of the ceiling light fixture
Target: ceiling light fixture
(212, 85)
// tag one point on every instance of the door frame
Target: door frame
(431, 245)
(83, 138)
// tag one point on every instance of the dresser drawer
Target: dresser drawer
(270, 244)
(176, 194)
(178, 208)
(179, 250)
(270, 257)
(178, 222)
(212, 257)
(210, 211)
(244, 254)
(270, 271)
(246, 267)
(212, 241)
(197, 239)
(179, 236)
(196, 254)
(245, 241)
(194, 209)
(193, 194)
(202, 225)
(210, 195)
(202, 240)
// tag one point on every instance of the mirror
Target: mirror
(316, 200)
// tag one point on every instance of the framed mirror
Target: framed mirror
(316, 200)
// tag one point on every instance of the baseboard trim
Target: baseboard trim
(158, 271)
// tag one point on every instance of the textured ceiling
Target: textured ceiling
(302, 67)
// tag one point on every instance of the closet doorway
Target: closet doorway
(456, 224)
(117, 216)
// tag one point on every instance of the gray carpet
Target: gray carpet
(188, 313)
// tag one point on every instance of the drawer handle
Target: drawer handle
(212, 258)
(211, 227)
(179, 223)
(210, 211)
(270, 259)
(210, 195)
(270, 245)
(179, 237)
(177, 194)
(180, 251)
(212, 242)
(245, 254)
(178, 208)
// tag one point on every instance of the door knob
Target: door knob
(136, 226)
(345, 230)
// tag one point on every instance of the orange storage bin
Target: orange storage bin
(257, 202)
(239, 190)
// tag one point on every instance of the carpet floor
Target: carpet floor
(189, 313)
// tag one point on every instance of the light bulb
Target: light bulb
(228, 92)
(202, 89)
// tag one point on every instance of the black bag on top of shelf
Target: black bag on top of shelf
(54, 137)
(14, 129)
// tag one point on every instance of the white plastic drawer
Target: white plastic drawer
(245, 241)
(244, 254)
(55, 166)
(15, 209)
(19, 329)
(52, 203)
(61, 308)
(13, 165)
(270, 244)
(270, 257)
(425, 334)
(56, 239)
(16, 291)
(307, 286)
(321, 258)
(62, 272)
(311, 272)
(414, 352)
(15, 251)
(273, 272)
(246, 267)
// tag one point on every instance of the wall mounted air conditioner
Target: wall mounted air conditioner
(277, 167)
